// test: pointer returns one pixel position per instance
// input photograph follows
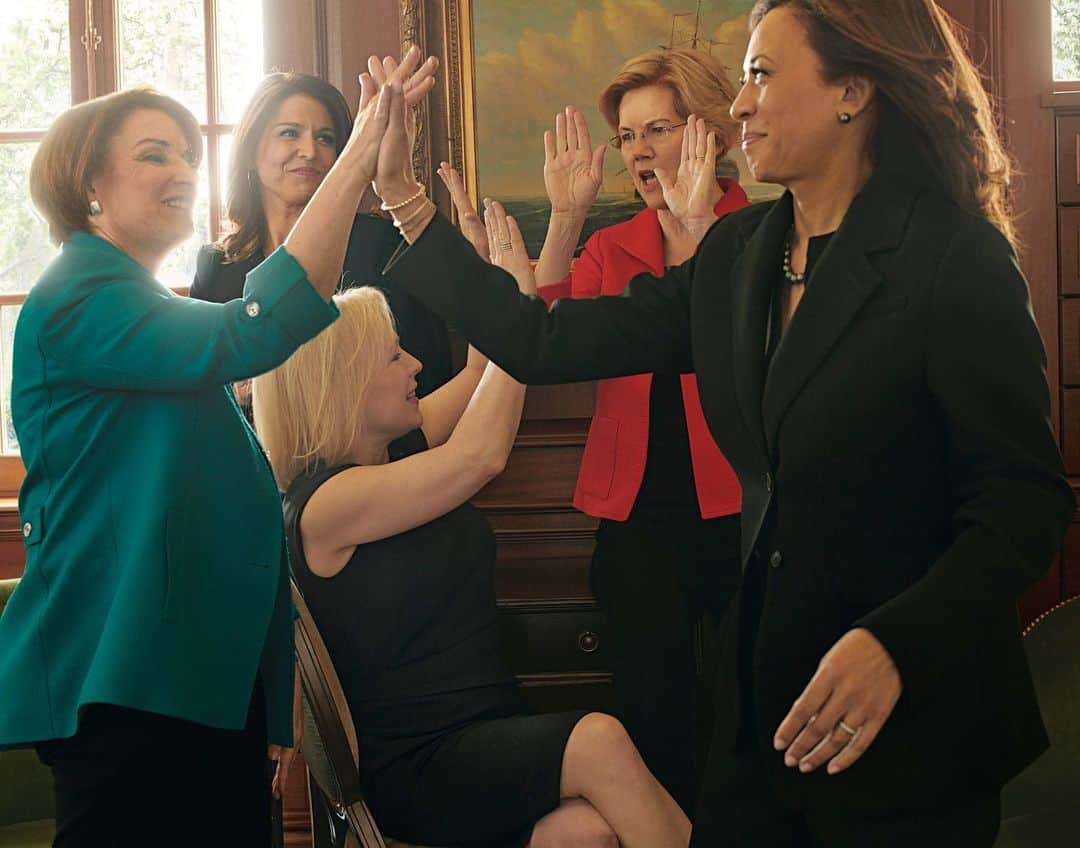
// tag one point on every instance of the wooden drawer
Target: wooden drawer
(1069, 249)
(1070, 430)
(1068, 153)
(1070, 341)
(554, 639)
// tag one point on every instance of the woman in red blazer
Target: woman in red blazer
(666, 498)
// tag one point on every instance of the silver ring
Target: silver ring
(847, 728)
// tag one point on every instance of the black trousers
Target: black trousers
(656, 578)
(739, 808)
(133, 778)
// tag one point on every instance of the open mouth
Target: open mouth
(648, 179)
(178, 203)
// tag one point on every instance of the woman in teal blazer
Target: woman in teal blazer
(148, 649)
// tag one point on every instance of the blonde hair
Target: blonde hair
(698, 81)
(935, 119)
(309, 410)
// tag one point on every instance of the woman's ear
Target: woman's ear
(857, 94)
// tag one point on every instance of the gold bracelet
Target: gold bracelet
(402, 224)
(419, 193)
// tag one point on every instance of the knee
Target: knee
(576, 824)
(601, 739)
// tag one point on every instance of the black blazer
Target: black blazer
(371, 243)
(898, 467)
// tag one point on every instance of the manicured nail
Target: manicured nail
(832, 768)
(790, 761)
(804, 766)
(779, 743)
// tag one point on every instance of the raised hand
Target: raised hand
(364, 142)
(573, 170)
(691, 194)
(507, 246)
(468, 220)
(844, 706)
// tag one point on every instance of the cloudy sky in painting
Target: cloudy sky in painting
(532, 59)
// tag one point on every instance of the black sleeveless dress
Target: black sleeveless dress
(449, 754)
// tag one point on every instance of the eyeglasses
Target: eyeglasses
(652, 134)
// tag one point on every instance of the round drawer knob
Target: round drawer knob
(588, 641)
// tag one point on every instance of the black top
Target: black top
(371, 244)
(410, 621)
(667, 488)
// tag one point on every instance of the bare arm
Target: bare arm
(573, 174)
(364, 504)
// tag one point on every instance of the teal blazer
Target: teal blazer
(156, 576)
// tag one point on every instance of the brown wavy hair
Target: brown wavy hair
(243, 194)
(935, 121)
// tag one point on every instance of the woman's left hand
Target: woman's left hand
(692, 193)
(842, 710)
(507, 246)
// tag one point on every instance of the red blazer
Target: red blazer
(614, 461)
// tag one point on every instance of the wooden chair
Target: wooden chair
(340, 816)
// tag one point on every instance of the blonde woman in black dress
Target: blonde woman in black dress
(398, 570)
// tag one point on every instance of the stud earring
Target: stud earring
(844, 117)
(95, 207)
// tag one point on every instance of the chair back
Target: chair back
(1041, 805)
(329, 743)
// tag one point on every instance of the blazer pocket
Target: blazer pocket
(598, 464)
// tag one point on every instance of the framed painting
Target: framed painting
(510, 66)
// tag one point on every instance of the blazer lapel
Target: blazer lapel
(842, 282)
(642, 239)
(754, 275)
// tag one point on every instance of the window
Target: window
(208, 54)
(1065, 17)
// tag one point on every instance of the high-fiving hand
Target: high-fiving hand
(573, 170)
(691, 194)
(507, 246)
(468, 220)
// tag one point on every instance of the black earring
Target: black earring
(844, 117)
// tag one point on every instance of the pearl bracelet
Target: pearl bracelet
(419, 193)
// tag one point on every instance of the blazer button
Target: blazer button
(27, 529)
(252, 309)
(776, 559)
(768, 482)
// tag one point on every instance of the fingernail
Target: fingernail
(832, 768)
(804, 766)
(790, 761)
(779, 743)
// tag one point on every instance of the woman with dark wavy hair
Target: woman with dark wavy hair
(291, 133)
(868, 361)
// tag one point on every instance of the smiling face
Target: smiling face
(391, 408)
(640, 108)
(295, 151)
(789, 114)
(146, 188)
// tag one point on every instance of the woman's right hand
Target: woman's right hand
(468, 220)
(365, 140)
(507, 246)
(573, 171)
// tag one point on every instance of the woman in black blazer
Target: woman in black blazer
(291, 132)
(868, 361)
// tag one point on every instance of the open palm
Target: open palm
(573, 170)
